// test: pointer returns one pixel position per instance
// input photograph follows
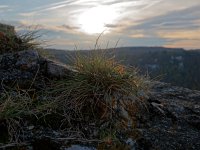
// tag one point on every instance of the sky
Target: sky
(76, 24)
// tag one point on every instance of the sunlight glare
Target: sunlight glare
(94, 20)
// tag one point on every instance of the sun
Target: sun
(94, 20)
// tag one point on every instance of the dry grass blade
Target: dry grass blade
(100, 84)
(12, 41)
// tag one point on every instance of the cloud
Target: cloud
(139, 22)
(174, 19)
(3, 6)
(69, 27)
(49, 7)
(27, 14)
(175, 27)
(187, 44)
(138, 35)
(4, 9)
(111, 25)
(181, 34)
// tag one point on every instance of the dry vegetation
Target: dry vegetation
(103, 97)
(101, 87)
(101, 92)
(10, 41)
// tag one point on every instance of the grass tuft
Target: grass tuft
(102, 87)
(10, 41)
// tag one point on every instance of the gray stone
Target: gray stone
(25, 67)
(58, 70)
(79, 147)
(19, 66)
(131, 143)
(178, 126)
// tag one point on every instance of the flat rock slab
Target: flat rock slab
(174, 118)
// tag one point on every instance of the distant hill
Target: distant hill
(173, 65)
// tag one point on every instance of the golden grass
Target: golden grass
(12, 42)
(100, 86)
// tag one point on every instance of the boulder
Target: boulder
(58, 70)
(19, 66)
(25, 66)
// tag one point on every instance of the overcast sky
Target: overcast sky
(65, 23)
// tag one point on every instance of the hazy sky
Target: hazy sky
(65, 23)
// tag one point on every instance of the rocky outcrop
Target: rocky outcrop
(19, 66)
(23, 67)
(171, 120)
